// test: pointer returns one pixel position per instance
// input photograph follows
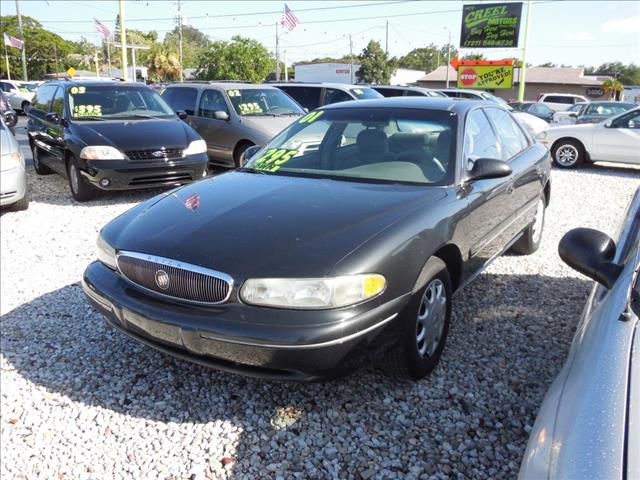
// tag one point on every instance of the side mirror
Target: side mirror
(573, 114)
(182, 115)
(221, 115)
(591, 253)
(10, 118)
(248, 153)
(52, 117)
(608, 124)
(484, 168)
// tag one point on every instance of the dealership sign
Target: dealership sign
(490, 25)
(484, 74)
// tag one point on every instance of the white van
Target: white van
(560, 101)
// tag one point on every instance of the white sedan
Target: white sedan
(616, 139)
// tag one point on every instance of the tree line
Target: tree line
(239, 58)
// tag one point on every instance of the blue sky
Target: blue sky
(569, 32)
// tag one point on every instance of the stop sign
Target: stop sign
(468, 76)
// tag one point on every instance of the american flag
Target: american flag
(14, 42)
(102, 29)
(288, 20)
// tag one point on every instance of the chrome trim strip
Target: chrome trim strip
(329, 343)
(176, 264)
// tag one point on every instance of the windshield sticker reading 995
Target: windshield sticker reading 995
(311, 117)
(87, 111)
(273, 159)
(249, 108)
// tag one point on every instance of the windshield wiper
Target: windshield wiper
(98, 119)
(252, 170)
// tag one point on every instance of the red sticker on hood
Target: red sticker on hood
(192, 202)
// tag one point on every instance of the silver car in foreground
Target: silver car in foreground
(589, 424)
(13, 177)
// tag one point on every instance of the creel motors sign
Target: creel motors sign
(490, 25)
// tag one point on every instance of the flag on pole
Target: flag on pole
(289, 20)
(102, 29)
(14, 42)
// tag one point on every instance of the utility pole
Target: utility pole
(286, 68)
(448, 55)
(277, 55)
(180, 38)
(350, 59)
(95, 59)
(24, 43)
(123, 39)
(386, 46)
(523, 67)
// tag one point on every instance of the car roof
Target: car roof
(611, 102)
(461, 90)
(223, 85)
(456, 105)
(94, 83)
(565, 94)
(318, 84)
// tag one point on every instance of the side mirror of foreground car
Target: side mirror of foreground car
(182, 115)
(248, 153)
(591, 253)
(10, 118)
(484, 168)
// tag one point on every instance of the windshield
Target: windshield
(28, 87)
(607, 109)
(364, 93)
(263, 101)
(116, 101)
(520, 107)
(413, 146)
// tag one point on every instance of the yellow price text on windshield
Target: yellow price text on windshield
(24, 90)
(311, 117)
(87, 111)
(76, 90)
(358, 91)
(273, 159)
(249, 108)
(234, 93)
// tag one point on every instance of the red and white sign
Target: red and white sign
(468, 76)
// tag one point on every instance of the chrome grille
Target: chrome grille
(183, 281)
(164, 154)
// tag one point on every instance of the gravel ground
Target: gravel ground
(81, 401)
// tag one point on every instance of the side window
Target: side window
(631, 120)
(512, 139)
(415, 93)
(308, 97)
(57, 104)
(211, 101)
(181, 99)
(43, 97)
(5, 86)
(392, 92)
(479, 139)
(331, 95)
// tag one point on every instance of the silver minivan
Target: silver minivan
(232, 117)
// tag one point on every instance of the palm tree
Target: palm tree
(612, 87)
(163, 64)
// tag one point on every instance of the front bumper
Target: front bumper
(13, 185)
(127, 175)
(243, 339)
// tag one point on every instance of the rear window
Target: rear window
(308, 97)
(181, 98)
(560, 99)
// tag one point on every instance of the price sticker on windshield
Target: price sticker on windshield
(358, 91)
(273, 159)
(249, 108)
(76, 90)
(311, 117)
(234, 93)
(87, 111)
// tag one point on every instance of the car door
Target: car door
(55, 132)
(490, 210)
(618, 142)
(216, 132)
(37, 125)
(526, 163)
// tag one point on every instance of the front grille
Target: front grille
(180, 281)
(161, 178)
(160, 154)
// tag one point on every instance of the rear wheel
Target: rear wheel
(568, 153)
(532, 236)
(81, 190)
(37, 163)
(425, 324)
(237, 155)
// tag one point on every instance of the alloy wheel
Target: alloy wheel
(431, 318)
(567, 155)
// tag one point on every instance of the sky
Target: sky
(561, 31)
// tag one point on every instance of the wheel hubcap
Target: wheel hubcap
(73, 177)
(431, 318)
(538, 222)
(36, 160)
(567, 155)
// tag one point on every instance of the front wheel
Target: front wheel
(21, 204)
(25, 106)
(81, 190)
(568, 154)
(532, 236)
(424, 324)
(37, 162)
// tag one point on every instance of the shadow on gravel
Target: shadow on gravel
(509, 337)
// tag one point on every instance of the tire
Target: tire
(21, 204)
(24, 106)
(414, 357)
(568, 154)
(532, 236)
(37, 164)
(237, 155)
(81, 190)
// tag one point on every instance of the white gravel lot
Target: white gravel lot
(81, 401)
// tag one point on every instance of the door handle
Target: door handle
(510, 189)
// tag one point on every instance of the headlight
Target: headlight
(106, 253)
(312, 293)
(101, 152)
(196, 147)
(10, 160)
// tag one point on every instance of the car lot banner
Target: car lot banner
(485, 76)
(490, 25)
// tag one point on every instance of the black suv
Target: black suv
(111, 136)
(314, 95)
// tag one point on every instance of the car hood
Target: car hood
(248, 224)
(570, 129)
(136, 134)
(269, 125)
